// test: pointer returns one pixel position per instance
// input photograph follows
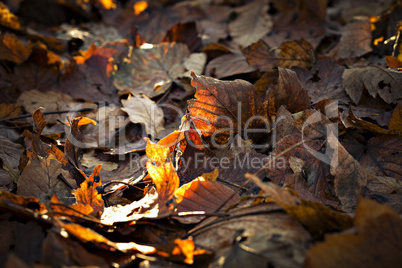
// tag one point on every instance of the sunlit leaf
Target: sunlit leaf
(89, 200)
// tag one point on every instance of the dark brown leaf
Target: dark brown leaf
(288, 92)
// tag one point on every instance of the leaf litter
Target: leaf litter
(222, 134)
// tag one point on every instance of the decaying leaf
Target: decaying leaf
(151, 70)
(89, 199)
(141, 109)
(41, 179)
(386, 83)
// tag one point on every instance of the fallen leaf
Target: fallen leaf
(299, 19)
(323, 81)
(89, 199)
(288, 92)
(178, 250)
(379, 155)
(355, 40)
(247, 222)
(377, 80)
(87, 235)
(8, 19)
(228, 65)
(141, 109)
(376, 242)
(40, 178)
(10, 153)
(395, 123)
(252, 23)
(51, 101)
(200, 195)
(222, 108)
(40, 71)
(151, 70)
(350, 177)
(12, 49)
(316, 217)
(295, 53)
(352, 121)
(156, 20)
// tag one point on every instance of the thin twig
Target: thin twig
(48, 113)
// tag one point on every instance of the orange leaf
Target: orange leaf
(89, 200)
(8, 19)
(165, 179)
(223, 108)
(12, 49)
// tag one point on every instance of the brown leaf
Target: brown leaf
(218, 233)
(299, 19)
(89, 200)
(352, 121)
(323, 81)
(12, 49)
(252, 23)
(376, 243)
(10, 153)
(40, 71)
(379, 155)
(151, 70)
(88, 76)
(387, 83)
(316, 217)
(156, 21)
(310, 131)
(227, 65)
(355, 40)
(288, 92)
(222, 108)
(201, 195)
(40, 178)
(141, 109)
(395, 124)
(288, 54)
(350, 177)
(51, 101)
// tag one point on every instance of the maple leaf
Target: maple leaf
(89, 200)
